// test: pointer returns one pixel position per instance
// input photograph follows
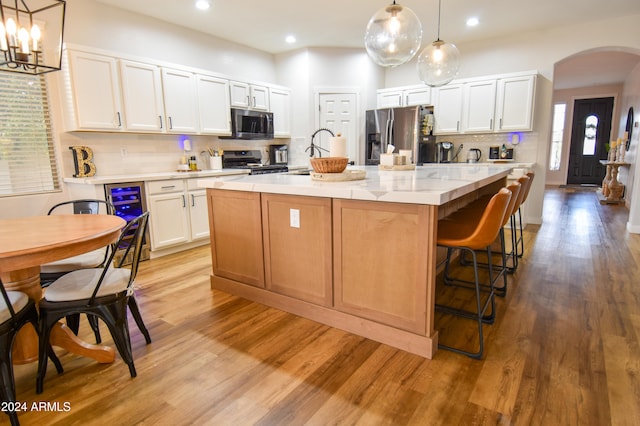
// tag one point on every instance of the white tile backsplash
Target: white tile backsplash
(524, 151)
(118, 154)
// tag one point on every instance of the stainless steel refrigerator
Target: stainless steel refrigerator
(404, 128)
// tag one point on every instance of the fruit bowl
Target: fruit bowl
(329, 164)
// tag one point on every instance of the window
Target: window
(557, 135)
(27, 158)
(590, 134)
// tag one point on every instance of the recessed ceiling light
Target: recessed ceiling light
(202, 4)
(472, 22)
(290, 39)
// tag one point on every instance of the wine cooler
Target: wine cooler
(129, 202)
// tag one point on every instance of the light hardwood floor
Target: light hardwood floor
(563, 351)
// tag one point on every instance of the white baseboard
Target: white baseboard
(634, 229)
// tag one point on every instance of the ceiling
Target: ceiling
(341, 23)
(338, 23)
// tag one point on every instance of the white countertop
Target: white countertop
(432, 184)
(101, 180)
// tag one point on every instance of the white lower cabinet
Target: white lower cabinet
(198, 212)
(177, 212)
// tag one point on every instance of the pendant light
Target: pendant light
(439, 62)
(393, 35)
(31, 35)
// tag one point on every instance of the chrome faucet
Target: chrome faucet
(311, 148)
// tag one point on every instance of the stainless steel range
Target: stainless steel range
(252, 160)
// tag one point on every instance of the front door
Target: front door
(590, 134)
(338, 112)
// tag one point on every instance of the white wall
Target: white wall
(94, 24)
(631, 98)
(308, 71)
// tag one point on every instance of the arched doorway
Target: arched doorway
(616, 71)
(595, 73)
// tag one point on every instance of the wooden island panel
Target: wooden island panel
(298, 259)
(384, 259)
(236, 235)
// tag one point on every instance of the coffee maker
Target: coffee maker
(444, 152)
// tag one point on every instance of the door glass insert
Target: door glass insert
(559, 111)
(590, 133)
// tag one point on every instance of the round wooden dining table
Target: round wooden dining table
(28, 242)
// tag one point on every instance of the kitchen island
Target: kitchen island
(358, 255)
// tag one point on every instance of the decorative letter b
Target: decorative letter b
(82, 156)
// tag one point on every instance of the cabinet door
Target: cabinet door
(389, 98)
(417, 96)
(239, 94)
(142, 95)
(168, 219)
(198, 214)
(179, 94)
(213, 105)
(236, 235)
(515, 103)
(298, 251)
(448, 109)
(260, 98)
(96, 92)
(281, 108)
(479, 106)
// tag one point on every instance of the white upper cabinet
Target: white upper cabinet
(401, 97)
(389, 98)
(106, 93)
(281, 107)
(260, 97)
(213, 105)
(479, 106)
(245, 95)
(417, 96)
(499, 103)
(447, 109)
(142, 94)
(515, 101)
(180, 101)
(95, 102)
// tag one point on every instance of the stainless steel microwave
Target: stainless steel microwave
(249, 124)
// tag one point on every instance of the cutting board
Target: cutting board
(347, 175)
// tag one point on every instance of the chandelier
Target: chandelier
(31, 33)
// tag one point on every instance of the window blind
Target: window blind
(27, 156)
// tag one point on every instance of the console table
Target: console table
(612, 189)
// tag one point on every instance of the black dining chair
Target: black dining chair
(50, 272)
(16, 310)
(101, 292)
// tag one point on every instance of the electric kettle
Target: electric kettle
(474, 155)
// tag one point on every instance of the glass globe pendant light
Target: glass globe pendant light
(439, 62)
(393, 35)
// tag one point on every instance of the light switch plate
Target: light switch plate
(294, 218)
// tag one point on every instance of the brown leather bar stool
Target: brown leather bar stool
(524, 182)
(472, 233)
(519, 240)
(476, 208)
